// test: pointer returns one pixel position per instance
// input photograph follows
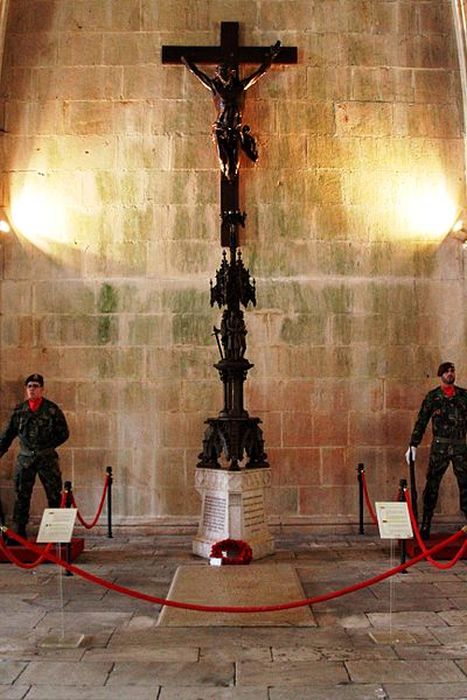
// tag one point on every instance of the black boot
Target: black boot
(21, 530)
(426, 527)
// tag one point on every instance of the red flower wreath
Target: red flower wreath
(232, 552)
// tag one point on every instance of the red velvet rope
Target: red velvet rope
(237, 609)
(83, 522)
(448, 565)
(6, 551)
(63, 500)
(367, 499)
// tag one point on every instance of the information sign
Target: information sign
(57, 525)
(393, 520)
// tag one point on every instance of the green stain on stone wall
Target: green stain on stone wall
(185, 301)
(287, 219)
(192, 330)
(342, 329)
(378, 295)
(306, 299)
(105, 330)
(108, 299)
(304, 328)
(107, 303)
(338, 299)
(107, 186)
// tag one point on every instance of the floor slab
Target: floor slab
(236, 586)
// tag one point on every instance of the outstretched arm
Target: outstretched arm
(263, 68)
(193, 68)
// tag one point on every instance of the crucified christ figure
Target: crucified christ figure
(229, 98)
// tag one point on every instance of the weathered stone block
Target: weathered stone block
(61, 297)
(190, 152)
(307, 117)
(370, 84)
(292, 395)
(282, 500)
(38, 48)
(126, 16)
(336, 470)
(303, 328)
(294, 467)
(283, 149)
(231, 10)
(434, 86)
(78, 83)
(150, 330)
(17, 331)
(95, 432)
(340, 500)
(329, 430)
(205, 394)
(180, 429)
(82, 49)
(364, 118)
(287, 15)
(325, 83)
(368, 429)
(297, 430)
(88, 15)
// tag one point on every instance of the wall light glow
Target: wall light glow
(39, 217)
(4, 223)
(428, 208)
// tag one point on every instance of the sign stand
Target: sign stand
(57, 526)
(394, 524)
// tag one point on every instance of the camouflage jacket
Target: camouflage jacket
(38, 430)
(448, 416)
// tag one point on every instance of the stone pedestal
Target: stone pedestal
(233, 507)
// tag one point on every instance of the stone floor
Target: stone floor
(401, 639)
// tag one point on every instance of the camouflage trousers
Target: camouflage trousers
(26, 470)
(440, 457)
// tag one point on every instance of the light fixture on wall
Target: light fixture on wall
(5, 224)
(459, 229)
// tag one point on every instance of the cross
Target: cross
(230, 54)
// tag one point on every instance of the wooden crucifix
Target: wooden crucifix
(228, 91)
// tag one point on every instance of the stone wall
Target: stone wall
(105, 289)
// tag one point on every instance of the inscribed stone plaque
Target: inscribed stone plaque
(214, 512)
(251, 585)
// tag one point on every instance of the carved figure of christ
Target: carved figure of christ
(228, 92)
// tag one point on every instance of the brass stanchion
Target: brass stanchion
(109, 502)
(413, 486)
(68, 504)
(360, 471)
(402, 543)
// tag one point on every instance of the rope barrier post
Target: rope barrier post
(413, 486)
(403, 543)
(109, 501)
(360, 472)
(68, 504)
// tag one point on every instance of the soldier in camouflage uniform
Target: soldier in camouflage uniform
(446, 406)
(41, 427)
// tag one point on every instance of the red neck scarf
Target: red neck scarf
(448, 390)
(34, 404)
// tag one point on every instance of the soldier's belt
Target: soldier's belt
(37, 453)
(448, 441)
